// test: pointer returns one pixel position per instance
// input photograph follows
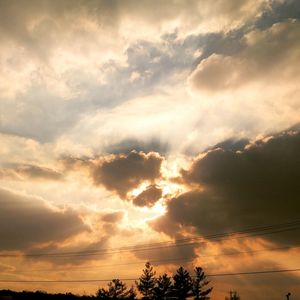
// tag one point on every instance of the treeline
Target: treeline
(180, 286)
(40, 295)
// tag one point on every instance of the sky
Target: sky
(163, 131)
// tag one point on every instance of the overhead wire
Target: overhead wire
(133, 279)
(249, 232)
(261, 230)
(164, 261)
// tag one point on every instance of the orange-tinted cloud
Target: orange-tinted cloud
(26, 221)
(148, 197)
(121, 173)
(31, 172)
(236, 189)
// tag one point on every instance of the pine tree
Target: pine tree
(163, 288)
(116, 290)
(233, 296)
(102, 294)
(199, 283)
(147, 282)
(183, 284)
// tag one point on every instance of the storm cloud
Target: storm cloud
(232, 190)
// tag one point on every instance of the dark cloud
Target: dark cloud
(122, 173)
(104, 226)
(229, 43)
(279, 12)
(71, 163)
(26, 221)
(148, 197)
(232, 42)
(256, 186)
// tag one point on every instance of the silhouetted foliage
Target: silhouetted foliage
(163, 287)
(40, 295)
(147, 282)
(183, 284)
(233, 296)
(116, 290)
(199, 284)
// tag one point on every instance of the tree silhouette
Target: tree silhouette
(180, 286)
(183, 284)
(41, 295)
(163, 287)
(199, 284)
(116, 290)
(233, 296)
(147, 281)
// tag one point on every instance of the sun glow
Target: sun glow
(142, 187)
(157, 210)
(154, 212)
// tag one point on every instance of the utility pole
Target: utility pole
(288, 296)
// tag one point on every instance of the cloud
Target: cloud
(174, 255)
(232, 190)
(280, 11)
(93, 245)
(275, 285)
(37, 172)
(55, 100)
(113, 217)
(70, 254)
(31, 172)
(127, 145)
(253, 63)
(121, 173)
(34, 18)
(148, 197)
(231, 144)
(60, 73)
(56, 70)
(26, 221)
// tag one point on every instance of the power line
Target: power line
(255, 272)
(132, 279)
(102, 252)
(162, 261)
(249, 232)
